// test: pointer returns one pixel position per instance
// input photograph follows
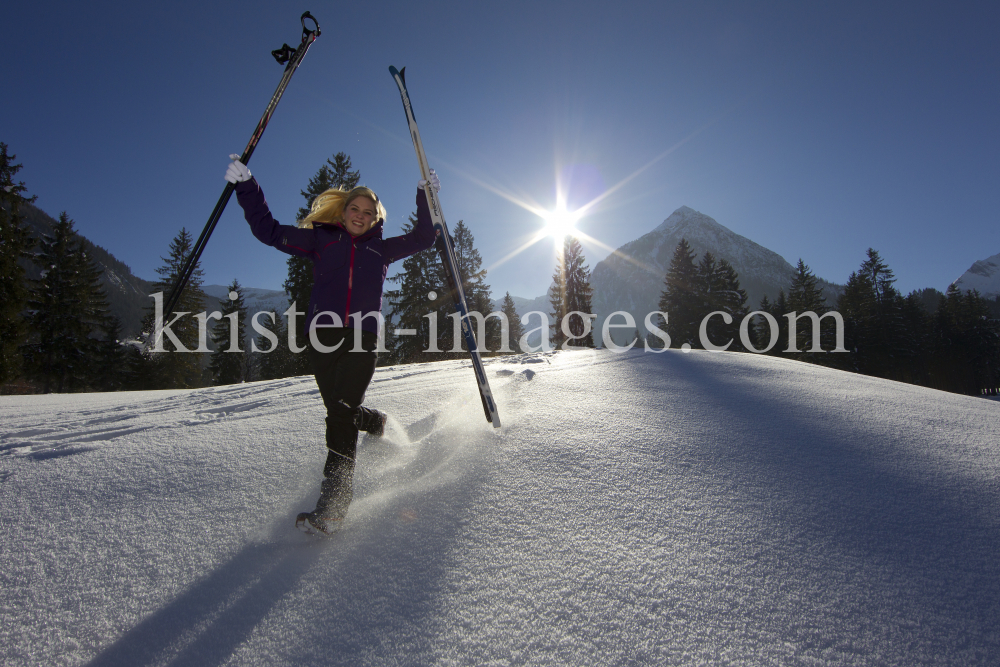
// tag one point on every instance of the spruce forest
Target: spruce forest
(57, 333)
(945, 341)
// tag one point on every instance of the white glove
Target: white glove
(433, 180)
(237, 172)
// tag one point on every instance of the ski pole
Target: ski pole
(293, 57)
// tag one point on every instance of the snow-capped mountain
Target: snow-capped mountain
(523, 305)
(983, 276)
(256, 299)
(631, 278)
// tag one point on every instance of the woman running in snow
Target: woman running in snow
(342, 235)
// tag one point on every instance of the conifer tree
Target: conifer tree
(174, 369)
(571, 292)
(914, 341)
(67, 305)
(251, 363)
(777, 310)
(707, 284)
(707, 288)
(855, 307)
(654, 342)
(514, 327)
(478, 296)
(111, 358)
(804, 295)
(228, 364)
(994, 307)
(14, 245)
(138, 370)
(874, 323)
(760, 329)
(336, 173)
(278, 362)
(928, 298)
(887, 305)
(781, 308)
(719, 289)
(421, 275)
(966, 354)
(679, 300)
(144, 369)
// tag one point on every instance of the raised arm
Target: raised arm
(422, 235)
(286, 238)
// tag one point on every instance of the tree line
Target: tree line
(56, 332)
(945, 341)
(53, 330)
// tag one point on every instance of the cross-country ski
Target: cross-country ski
(447, 252)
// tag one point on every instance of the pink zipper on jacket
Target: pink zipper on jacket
(350, 284)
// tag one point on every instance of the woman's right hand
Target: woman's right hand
(237, 172)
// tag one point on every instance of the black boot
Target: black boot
(336, 492)
(370, 420)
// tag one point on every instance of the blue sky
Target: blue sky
(816, 130)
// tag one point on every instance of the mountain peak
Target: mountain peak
(983, 276)
(681, 215)
(632, 278)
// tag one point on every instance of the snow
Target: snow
(983, 276)
(256, 299)
(636, 509)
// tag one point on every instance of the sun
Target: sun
(560, 223)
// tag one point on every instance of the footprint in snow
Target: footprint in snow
(526, 374)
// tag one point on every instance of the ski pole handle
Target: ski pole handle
(306, 32)
(286, 53)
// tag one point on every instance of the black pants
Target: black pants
(343, 377)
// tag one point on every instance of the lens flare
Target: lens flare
(560, 223)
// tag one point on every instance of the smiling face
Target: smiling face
(359, 215)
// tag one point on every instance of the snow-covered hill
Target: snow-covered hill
(635, 509)
(983, 276)
(631, 278)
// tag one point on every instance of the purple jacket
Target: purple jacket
(348, 272)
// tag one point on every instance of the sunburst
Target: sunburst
(560, 223)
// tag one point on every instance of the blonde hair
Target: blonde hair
(328, 207)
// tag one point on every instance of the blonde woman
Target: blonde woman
(342, 235)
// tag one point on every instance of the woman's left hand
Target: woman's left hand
(433, 180)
